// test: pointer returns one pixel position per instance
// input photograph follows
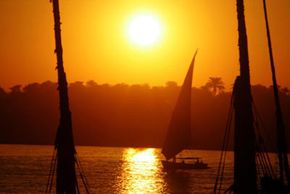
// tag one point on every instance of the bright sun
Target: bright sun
(144, 30)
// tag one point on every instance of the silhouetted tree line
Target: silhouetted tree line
(127, 115)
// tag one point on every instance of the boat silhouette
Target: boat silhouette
(179, 131)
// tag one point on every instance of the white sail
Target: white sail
(179, 135)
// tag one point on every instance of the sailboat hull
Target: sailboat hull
(170, 165)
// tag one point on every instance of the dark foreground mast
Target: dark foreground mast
(64, 144)
(281, 134)
(244, 148)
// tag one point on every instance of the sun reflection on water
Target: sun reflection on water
(140, 171)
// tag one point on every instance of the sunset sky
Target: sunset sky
(98, 42)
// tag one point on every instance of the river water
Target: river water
(25, 168)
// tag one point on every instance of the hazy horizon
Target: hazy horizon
(228, 87)
(126, 115)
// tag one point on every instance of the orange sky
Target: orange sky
(96, 46)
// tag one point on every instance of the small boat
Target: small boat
(179, 131)
(184, 163)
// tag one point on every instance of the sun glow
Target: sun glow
(144, 30)
(147, 155)
(140, 171)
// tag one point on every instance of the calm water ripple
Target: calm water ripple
(24, 169)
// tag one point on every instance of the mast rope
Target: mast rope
(262, 154)
(82, 175)
(51, 173)
(222, 160)
(263, 159)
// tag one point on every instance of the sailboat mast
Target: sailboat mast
(244, 148)
(281, 135)
(64, 144)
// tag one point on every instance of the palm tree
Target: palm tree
(215, 85)
(285, 90)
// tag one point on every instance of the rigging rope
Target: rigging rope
(262, 153)
(221, 166)
(51, 173)
(263, 158)
(52, 168)
(82, 175)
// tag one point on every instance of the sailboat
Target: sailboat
(248, 144)
(64, 160)
(179, 136)
(280, 185)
